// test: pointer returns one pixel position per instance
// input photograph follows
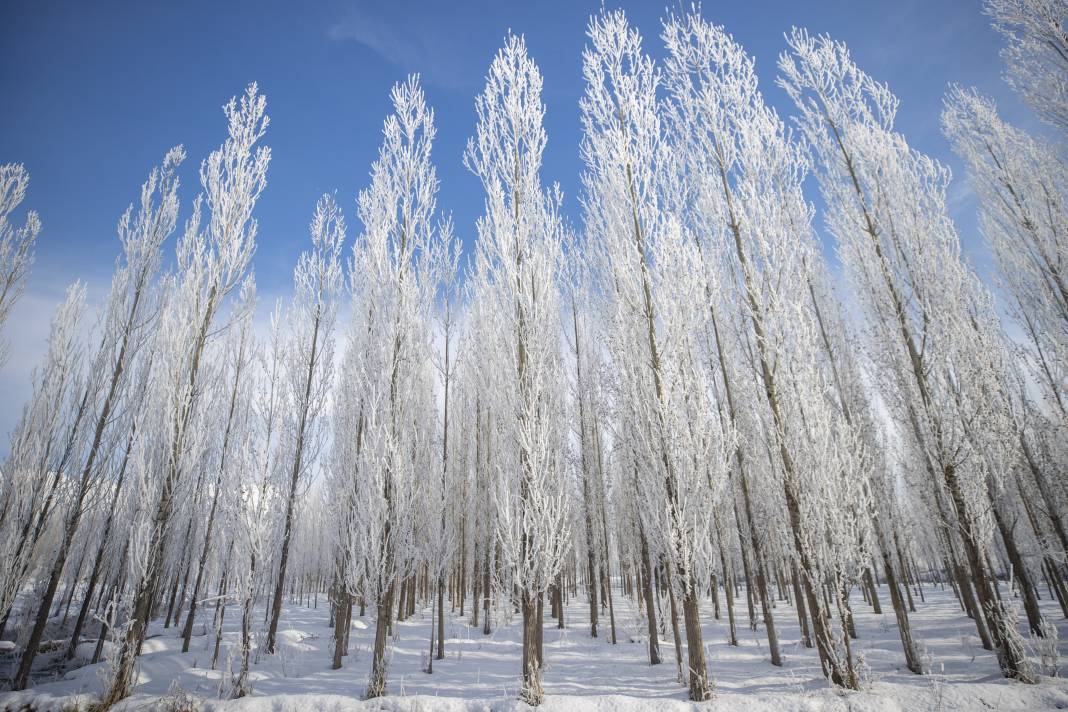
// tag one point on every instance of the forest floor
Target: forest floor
(582, 673)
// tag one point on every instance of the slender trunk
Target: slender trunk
(532, 692)
(486, 593)
(342, 603)
(728, 591)
(699, 687)
(462, 583)
(220, 604)
(650, 603)
(22, 677)
(433, 630)
(376, 687)
(676, 637)
(873, 593)
(72, 587)
(476, 584)
(799, 603)
(607, 585)
(912, 656)
(180, 580)
(441, 619)
(241, 685)
(558, 601)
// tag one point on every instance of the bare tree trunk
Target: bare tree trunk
(540, 640)
(699, 687)
(241, 685)
(462, 583)
(558, 601)
(486, 593)
(728, 590)
(873, 592)
(676, 637)
(430, 652)
(220, 604)
(72, 587)
(532, 692)
(441, 619)
(912, 657)
(22, 676)
(476, 584)
(799, 604)
(607, 583)
(377, 685)
(650, 603)
(342, 611)
(187, 630)
(179, 584)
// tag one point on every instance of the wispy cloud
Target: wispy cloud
(409, 45)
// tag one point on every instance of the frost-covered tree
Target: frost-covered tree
(42, 447)
(1037, 53)
(119, 467)
(742, 174)
(442, 498)
(591, 487)
(256, 493)
(317, 282)
(126, 326)
(681, 398)
(16, 243)
(232, 398)
(653, 298)
(515, 283)
(924, 308)
(1021, 184)
(213, 259)
(383, 440)
(857, 407)
(621, 144)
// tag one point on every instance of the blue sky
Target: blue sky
(94, 93)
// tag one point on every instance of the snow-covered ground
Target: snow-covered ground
(480, 672)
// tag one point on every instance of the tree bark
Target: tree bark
(650, 603)
(376, 687)
(532, 693)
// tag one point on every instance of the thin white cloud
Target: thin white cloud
(425, 50)
(376, 35)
